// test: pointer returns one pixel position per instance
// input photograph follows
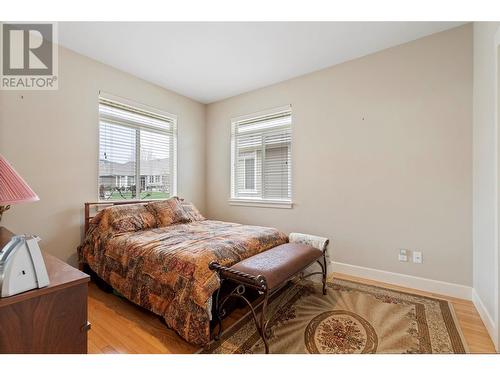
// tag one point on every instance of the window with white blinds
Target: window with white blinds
(261, 162)
(137, 151)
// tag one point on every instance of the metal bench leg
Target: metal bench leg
(238, 292)
(324, 272)
(264, 322)
(218, 313)
(257, 283)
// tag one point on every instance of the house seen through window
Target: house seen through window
(137, 151)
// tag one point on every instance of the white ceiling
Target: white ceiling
(212, 61)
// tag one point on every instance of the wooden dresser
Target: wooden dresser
(47, 320)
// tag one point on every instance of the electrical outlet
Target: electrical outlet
(403, 255)
(417, 257)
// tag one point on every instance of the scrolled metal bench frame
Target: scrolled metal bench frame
(258, 283)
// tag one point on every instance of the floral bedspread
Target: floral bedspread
(165, 269)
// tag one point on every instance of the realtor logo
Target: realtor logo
(29, 56)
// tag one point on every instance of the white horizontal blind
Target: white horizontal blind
(261, 156)
(137, 152)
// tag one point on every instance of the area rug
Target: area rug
(351, 318)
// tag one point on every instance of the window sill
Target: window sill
(260, 203)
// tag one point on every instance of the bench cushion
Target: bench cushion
(280, 263)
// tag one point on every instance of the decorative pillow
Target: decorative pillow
(168, 212)
(126, 218)
(191, 211)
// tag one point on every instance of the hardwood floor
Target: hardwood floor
(119, 326)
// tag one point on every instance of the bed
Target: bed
(156, 254)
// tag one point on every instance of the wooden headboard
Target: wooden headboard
(97, 205)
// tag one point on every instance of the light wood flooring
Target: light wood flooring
(119, 326)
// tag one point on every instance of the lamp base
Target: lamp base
(2, 210)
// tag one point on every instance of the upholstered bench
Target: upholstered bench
(268, 272)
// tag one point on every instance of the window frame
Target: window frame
(259, 202)
(145, 108)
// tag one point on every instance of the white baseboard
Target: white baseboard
(414, 282)
(488, 321)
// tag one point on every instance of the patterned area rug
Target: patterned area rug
(352, 318)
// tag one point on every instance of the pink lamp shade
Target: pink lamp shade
(13, 189)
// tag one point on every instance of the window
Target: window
(136, 144)
(261, 158)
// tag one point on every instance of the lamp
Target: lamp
(22, 266)
(13, 189)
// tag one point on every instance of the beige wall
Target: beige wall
(382, 156)
(52, 140)
(485, 156)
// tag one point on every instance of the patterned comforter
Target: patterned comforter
(165, 269)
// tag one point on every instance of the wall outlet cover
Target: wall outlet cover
(403, 255)
(417, 257)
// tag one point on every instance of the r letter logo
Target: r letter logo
(29, 56)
